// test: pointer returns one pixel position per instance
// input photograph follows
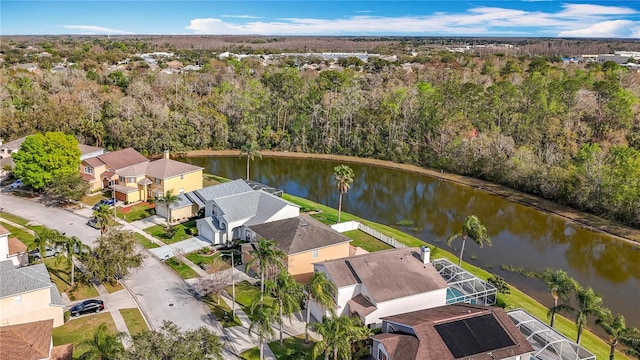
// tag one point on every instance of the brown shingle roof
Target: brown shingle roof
(4, 231)
(122, 158)
(87, 177)
(167, 168)
(432, 346)
(16, 246)
(361, 305)
(86, 149)
(133, 170)
(62, 352)
(388, 274)
(30, 341)
(93, 162)
(399, 346)
(299, 234)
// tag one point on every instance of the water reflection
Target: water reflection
(522, 236)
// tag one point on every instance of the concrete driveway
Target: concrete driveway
(160, 292)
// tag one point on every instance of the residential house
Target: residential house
(32, 341)
(134, 178)
(27, 295)
(88, 151)
(303, 239)
(228, 216)
(383, 283)
(12, 249)
(459, 331)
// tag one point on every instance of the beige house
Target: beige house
(27, 295)
(451, 332)
(12, 249)
(134, 178)
(32, 341)
(304, 240)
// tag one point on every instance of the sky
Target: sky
(498, 18)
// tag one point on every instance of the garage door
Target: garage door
(205, 231)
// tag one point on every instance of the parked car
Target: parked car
(94, 223)
(87, 306)
(16, 184)
(48, 252)
(107, 202)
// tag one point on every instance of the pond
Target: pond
(522, 236)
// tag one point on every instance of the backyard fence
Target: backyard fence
(354, 225)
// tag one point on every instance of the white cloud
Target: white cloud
(90, 29)
(606, 29)
(579, 20)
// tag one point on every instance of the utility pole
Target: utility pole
(233, 286)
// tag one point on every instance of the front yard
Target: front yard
(81, 329)
(294, 348)
(136, 212)
(178, 232)
(183, 270)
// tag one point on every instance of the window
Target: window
(158, 181)
(381, 355)
(88, 170)
(314, 253)
(181, 177)
(131, 180)
(17, 300)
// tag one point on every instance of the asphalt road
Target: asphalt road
(160, 292)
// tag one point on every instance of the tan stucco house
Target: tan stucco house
(12, 249)
(27, 295)
(303, 239)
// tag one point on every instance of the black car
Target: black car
(87, 306)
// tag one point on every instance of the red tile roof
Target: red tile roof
(16, 246)
(4, 231)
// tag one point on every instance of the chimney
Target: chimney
(166, 154)
(425, 254)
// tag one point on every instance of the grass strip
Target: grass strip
(183, 270)
(134, 320)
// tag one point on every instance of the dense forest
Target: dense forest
(569, 132)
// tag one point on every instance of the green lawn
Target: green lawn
(77, 330)
(219, 261)
(14, 218)
(182, 232)
(142, 240)
(221, 311)
(365, 241)
(60, 273)
(209, 180)
(293, 346)
(517, 299)
(138, 212)
(134, 320)
(183, 270)
(20, 234)
(111, 288)
(93, 199)
(245, 295)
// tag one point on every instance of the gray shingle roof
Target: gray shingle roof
(15, 281)
(221, 190)
(256, 207)
(388, 274)
(299, 234)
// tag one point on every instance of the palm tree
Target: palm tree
(169, 199)
(43, 238)
(473, 229)
(105, 218)
(338, 334)
(103, 346)
(321, 290)
(71, 245)
(344, 177)
(633, 346)
(287, 294)
(250, 150)
(560, 285)
(588, 302)
(261, 326)
(265, 255)
(617, 330)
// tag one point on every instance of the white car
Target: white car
(16, 184)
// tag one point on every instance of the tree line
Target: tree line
(566, 132)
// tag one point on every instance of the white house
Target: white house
(12, 249)
(231, 207)
(383, 283)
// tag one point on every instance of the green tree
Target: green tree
(170, 343)
(103, 345)
(105, 218)
(67, 188)
(287, 294)
(588, 303)
(474, 230)
(344, 178)
(169, 199)
(617, 329)
(71, 246)
(321, 290)
(261, 326)
(338, 334)
(113, 257)
(265, 256)
(250, 150)
(43, 158)
(44, 238)
(560, 286)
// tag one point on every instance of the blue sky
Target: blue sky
(530, 18)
